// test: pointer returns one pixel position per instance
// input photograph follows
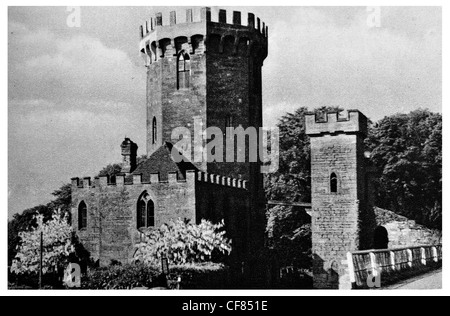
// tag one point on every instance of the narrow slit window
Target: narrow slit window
(82, 216)
(333, 183)
(154, 131)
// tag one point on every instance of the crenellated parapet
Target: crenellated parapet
(332, 122)
(199, 32)
(221, 180)
(172, 178)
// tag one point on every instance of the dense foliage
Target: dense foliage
(407, 151)
(193, 276)
(116, 168)
(120, 277)
(183, 242)
(57, 246)
(289, 236)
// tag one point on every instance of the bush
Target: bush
(120, 277)
(207, 275)
(193, 276)
(182, 242)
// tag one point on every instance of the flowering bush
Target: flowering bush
(57, 246)
(182, 242)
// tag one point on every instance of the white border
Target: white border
(261, 293)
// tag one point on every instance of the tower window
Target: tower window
(183, 70)
(333, 183)
(154, 131)
(82, 216)
(145, 212)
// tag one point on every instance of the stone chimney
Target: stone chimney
(129, 153)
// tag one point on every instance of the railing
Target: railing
(366, 263)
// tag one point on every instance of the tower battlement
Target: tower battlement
(198, 31)
(333, 123)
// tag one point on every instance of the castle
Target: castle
(197, 69)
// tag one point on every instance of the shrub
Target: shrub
(120, 277)
(193, 276)
(182, 242)
(206, 275)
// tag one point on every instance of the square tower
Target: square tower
(337, 193)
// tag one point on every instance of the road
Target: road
(429, 281)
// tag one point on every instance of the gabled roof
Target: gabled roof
(162, 161)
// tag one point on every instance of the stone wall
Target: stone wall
(403, 232)
(112, 230)
(112, 224)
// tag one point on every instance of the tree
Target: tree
(116, 168)
(24, 222)
(407, 151)
(289, 232)
(57, 246)
(182, 242)
(110, 170)
(27, 219)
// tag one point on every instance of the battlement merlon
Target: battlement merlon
(173, 177)
(155, 35)
(354, 122)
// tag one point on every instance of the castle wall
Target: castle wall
(112, 231)
(112, 224)
(223, 198)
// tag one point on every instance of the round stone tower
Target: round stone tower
(207, 69)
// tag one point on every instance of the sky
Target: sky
(74, 93)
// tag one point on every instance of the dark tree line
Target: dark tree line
(407, 151)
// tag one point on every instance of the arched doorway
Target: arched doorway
(380, 238)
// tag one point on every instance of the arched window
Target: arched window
(183, 70)
(141, 214)
(333, 183)
(145, 211)
(82, 216)
(154, 131)
(150, 213)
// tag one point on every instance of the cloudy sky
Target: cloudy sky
(75, 92)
